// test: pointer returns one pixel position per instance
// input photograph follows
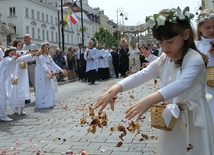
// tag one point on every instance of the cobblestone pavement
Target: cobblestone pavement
(55, 131)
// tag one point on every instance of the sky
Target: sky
(137, 10)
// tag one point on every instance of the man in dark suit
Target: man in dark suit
(124, 59)
(115, 60)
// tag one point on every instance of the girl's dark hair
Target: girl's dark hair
(170, 30)
(15, 43)
(7, 51)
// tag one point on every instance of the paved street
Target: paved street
(55, 131)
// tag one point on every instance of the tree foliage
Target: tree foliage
(105, 37)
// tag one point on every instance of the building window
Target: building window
(27, 30)
(32, 14)
(56, 20)
(72, 39)
(43, 18)
(33, 32)
(68, 38)
(51, 19)
(56, 37)
(47, 18)
(43, 34)
(12, 11)
(38, 15)
(38, 33)
(52, 36)
(78, 40)
(47, 35)
(26, 12)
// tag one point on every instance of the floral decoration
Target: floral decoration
(160, 20)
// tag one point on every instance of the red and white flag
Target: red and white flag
(73, 19)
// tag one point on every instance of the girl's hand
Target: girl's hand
(16, 56)
(144, 52)
(137, 109)
(64, 72)
(143, 105)
(108, 97)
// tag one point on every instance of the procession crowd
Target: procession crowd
(23, 65)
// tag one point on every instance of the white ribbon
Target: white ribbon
(169, 111)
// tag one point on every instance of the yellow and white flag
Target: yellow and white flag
(67, 16)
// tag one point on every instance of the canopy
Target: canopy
(133, 29)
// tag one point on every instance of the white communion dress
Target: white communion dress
(45, 86)
(194, 125)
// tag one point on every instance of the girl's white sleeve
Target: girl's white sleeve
(188, 75)
(141, 77)
(23, 58)
(151, 57)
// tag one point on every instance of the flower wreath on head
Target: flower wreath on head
(202, 18)
(159, 20)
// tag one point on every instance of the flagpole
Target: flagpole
(82, 22)
(59, 30)
(62, 28)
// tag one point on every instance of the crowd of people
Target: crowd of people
(108, 62)
(179, 60)
(38, 67)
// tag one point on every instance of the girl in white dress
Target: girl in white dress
(181, 69)
(21, 91)
(205, 33)
(45, 70)
(7, 77)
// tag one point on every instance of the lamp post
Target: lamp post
(59, 30)
(119, 11)
(124, 14)
(62, 28)
(199, 8)
(82, 27)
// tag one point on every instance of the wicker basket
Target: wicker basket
(23, 65)
(157, 120)
(210, 76)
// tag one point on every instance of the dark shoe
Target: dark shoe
(27, 101)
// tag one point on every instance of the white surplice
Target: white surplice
(91, 64)
(7, 71)
(45, 87)
(102, 58)
(204, 45)
(21, 91)
(195, 125)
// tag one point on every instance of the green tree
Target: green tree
(105, 37)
